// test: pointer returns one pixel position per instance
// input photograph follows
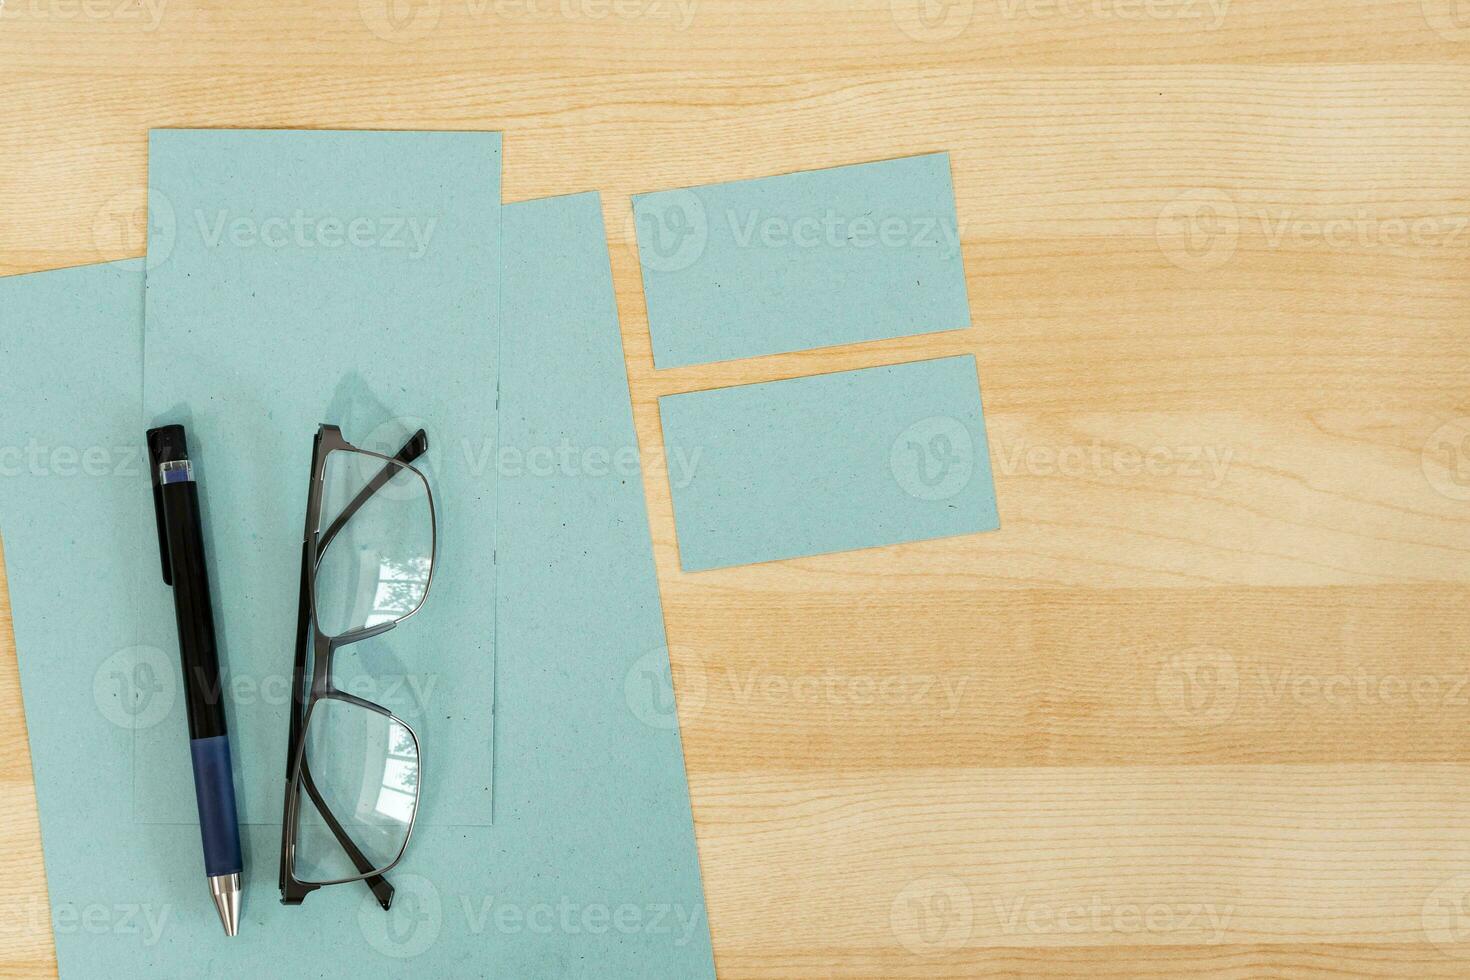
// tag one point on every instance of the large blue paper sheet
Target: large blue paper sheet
(350, 278)
(590, 869)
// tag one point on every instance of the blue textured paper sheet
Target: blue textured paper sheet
(590, 869)
(799, 261)
(350, 278)
(90, 631)
(828, 463)
(591, 799)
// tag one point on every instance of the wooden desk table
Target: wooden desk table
(1202, 705)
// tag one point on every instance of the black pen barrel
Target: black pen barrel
(203, 694)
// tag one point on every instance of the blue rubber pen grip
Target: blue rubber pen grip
(214, 788)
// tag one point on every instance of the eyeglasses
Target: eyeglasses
(352, 766)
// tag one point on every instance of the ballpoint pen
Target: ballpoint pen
(181, 546)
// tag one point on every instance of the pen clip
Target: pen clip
(165, 444)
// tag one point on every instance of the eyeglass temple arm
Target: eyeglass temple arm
(415, 447)
(381, 889)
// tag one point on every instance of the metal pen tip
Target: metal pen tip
(225, 890)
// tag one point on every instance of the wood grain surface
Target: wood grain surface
(1202, 706)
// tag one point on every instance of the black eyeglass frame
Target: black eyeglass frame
(309, 637)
